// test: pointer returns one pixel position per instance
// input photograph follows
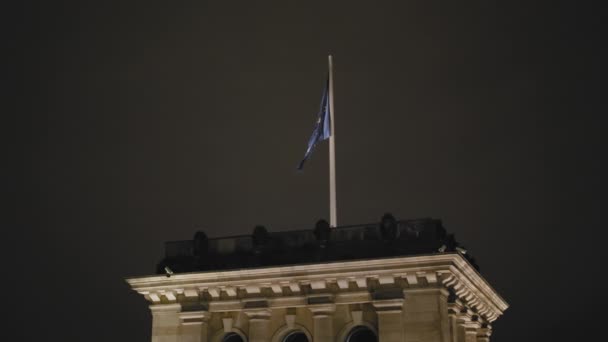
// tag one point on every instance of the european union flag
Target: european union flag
(322, 129)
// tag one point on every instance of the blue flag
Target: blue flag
(322, 129)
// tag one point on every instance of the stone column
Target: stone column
(259, 322)
(194, 326)
(165, 322)
(323, 322)
(390, 320)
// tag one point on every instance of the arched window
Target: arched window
(296, 336)
(232, 337)
(361, 334)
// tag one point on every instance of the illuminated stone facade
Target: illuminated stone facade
(437, 297)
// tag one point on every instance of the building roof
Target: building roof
(387, 238)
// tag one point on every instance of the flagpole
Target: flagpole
(333, 216)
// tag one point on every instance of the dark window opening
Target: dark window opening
(361, 334)
(232, 337)
(296, 336)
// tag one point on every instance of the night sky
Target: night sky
(132, 123)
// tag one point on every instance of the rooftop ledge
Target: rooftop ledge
(368, 261)
(322, 244)
(448, 271)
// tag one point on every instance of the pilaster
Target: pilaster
(165, 322)
(470, 331)
(484, 333)
(444, 316)
(194, 326)
(455, 318)
(323, 329)
(259, 323)
(390, 320)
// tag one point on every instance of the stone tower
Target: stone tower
(392, 281)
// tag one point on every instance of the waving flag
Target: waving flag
(325, 129)
(322, 129)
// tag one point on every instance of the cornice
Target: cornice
(342, 279)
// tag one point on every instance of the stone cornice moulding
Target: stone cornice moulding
(330, 270)
(450, 270)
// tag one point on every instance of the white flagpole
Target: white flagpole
(333, 216)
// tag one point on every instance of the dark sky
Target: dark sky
(132, 123)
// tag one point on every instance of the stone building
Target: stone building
(390, 281)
